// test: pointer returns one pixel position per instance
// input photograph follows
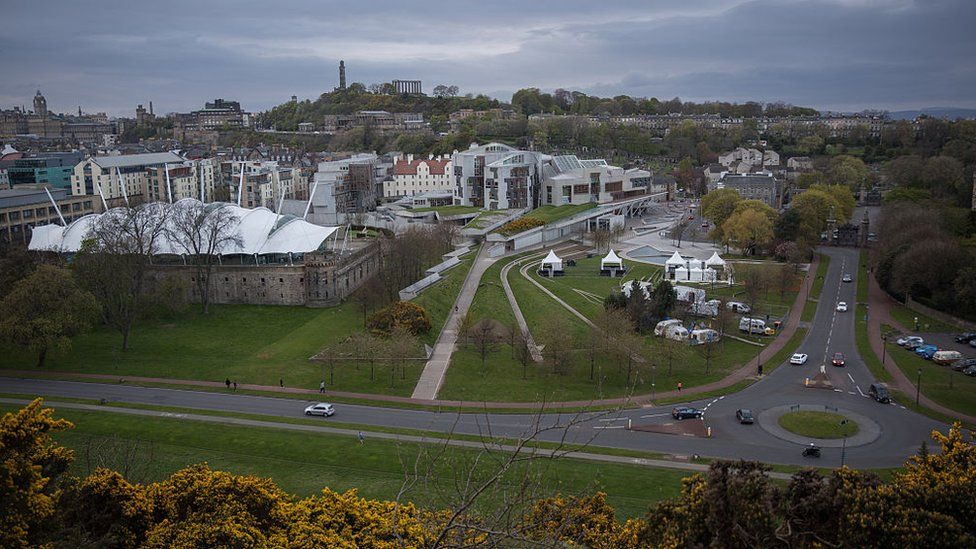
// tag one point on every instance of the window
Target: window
(28, 214)
(41, 212)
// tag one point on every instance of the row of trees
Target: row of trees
(498, 501)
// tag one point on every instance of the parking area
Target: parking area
(946, 341)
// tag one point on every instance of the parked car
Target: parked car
(799, 359)
(904, 341)
(838, 359)
(842, 307)
(971, 371)
(926, 351)
(323, 409)
(744, 416)
(973, 343)
(965, 337)
(946, 357)
(847, 278)
(914, 344)
(686, 412)
(738, 307)
(961, 365)
(879, 392)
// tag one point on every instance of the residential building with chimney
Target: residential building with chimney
(412, 176)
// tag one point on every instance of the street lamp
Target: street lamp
(918, 386)
(843, 448)
(884, 347)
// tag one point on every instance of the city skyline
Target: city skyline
(842, 55)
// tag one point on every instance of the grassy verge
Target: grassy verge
(450, 210)
(439, 298)
(818, 282)
(817, 424)
(304, 463)
(549, 214)
(906, 317)
(809, 311)
(862, 277)
(872, 361)
(954, 390)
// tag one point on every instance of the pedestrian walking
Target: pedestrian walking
(227, 382)
(281, 382)
(362, 438)
(455, 308)
(322, 386)
(235, 384)
(679, 386)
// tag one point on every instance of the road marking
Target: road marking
(654, 415)
(838, 391)
(851, 378)
(614, 419)
(851, 393)
(609, 426)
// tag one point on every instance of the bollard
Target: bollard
(628, 423)
(709, 429)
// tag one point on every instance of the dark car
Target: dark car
(744, 416)
(838, 359)
(965, 337)
(971, 371)
(685, 412)
(879, 393)
(961, 365)
(972, 343)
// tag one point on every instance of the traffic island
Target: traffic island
(806, 428)
(685, 427)
(819, 381)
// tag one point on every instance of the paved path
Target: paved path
(880, 304)
(517, 311)
(432, 377)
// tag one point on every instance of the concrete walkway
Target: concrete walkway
(879, 312)
(432, 377)
(517, 311)
(280, 426)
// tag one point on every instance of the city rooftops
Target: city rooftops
(11, 198)
(129, 160)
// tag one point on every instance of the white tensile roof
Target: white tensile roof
(261, 230)
(612, 258)
(715, 260)
(675, 259)
(552, 259)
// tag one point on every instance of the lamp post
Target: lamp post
(884, 348)
(843, 448)
(918, 386)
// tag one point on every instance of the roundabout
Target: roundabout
(806, 423)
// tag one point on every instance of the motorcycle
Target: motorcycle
(811, 451)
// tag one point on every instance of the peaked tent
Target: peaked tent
(551, 261)
(675, 260)
(612, 260)
(715, 261)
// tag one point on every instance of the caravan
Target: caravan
(752, 325)
(662, 327)
(676, 332)
(706, 335)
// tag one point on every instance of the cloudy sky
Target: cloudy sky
(829, 54)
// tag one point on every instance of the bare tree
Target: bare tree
(400, 347)
(601, 239)
(670, 351)
(485, 337)
(558, 339)
(114, 263)
(203, 232)
(522, 351)
(785, 277)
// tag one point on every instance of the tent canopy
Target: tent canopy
(611, 260)
(675, 259)
(552, 261)
(715, 261)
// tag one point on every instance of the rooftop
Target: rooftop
(128, 160)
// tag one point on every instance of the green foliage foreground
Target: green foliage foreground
(732, 505)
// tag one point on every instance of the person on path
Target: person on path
(227, 382)
(322, 386)
(281, 382)
(679, 386)
(235, 384)
(362, 438)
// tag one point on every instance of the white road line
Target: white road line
(654, 415)
(838, 391)
(851, 378)
(614, 419)
(858, 387)
(609, 426)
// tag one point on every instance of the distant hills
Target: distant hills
(951, 113)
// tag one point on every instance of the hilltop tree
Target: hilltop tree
(44, 310)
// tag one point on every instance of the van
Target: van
(879, 392)
(752, 325)
(946, 357)
(738, 307)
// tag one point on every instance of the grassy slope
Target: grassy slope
(439, 298)
(818, 282)
(872, 361)
(450, 210)
(862, 277)
(304, 463)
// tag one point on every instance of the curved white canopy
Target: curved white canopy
(261, 230)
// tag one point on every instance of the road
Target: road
(899, 431)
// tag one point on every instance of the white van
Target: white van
(752, 325)
(739, 307)
(662, 327)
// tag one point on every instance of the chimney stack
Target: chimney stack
(150, 109)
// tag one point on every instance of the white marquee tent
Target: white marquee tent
(551, 262)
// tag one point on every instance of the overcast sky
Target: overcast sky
(829, 54)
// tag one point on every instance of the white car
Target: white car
(842, 307)
(323, 409)
(798, 358)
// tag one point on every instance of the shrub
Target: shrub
(401, 314)
(519, 225)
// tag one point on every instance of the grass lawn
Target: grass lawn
(818, 282)
(487, 217)
(549, 214)
(809, 311)
(953, 390)
(906, 317)
(304, 463)
(862, 277)
(817, 424)
(872, 361)
(439, 298)
(585, 277)
(246, 343)
(450, 210)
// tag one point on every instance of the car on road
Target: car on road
(838, 359)
(847, 278)
(799, 358)
(961, 365)
(842, 307)
(744, 416)
(323, 409)
(965, 337)
(926, 351)
(879, 392)
(686, 412)
(904, 341)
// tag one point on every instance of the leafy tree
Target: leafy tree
(30, 467)
(401, 314)
(848, 171)
(663, 300)
(44, 311)
(749, 230)
(717, 206)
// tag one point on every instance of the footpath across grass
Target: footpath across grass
(304, 463)
(439, 298)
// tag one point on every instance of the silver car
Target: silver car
(323, 409)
